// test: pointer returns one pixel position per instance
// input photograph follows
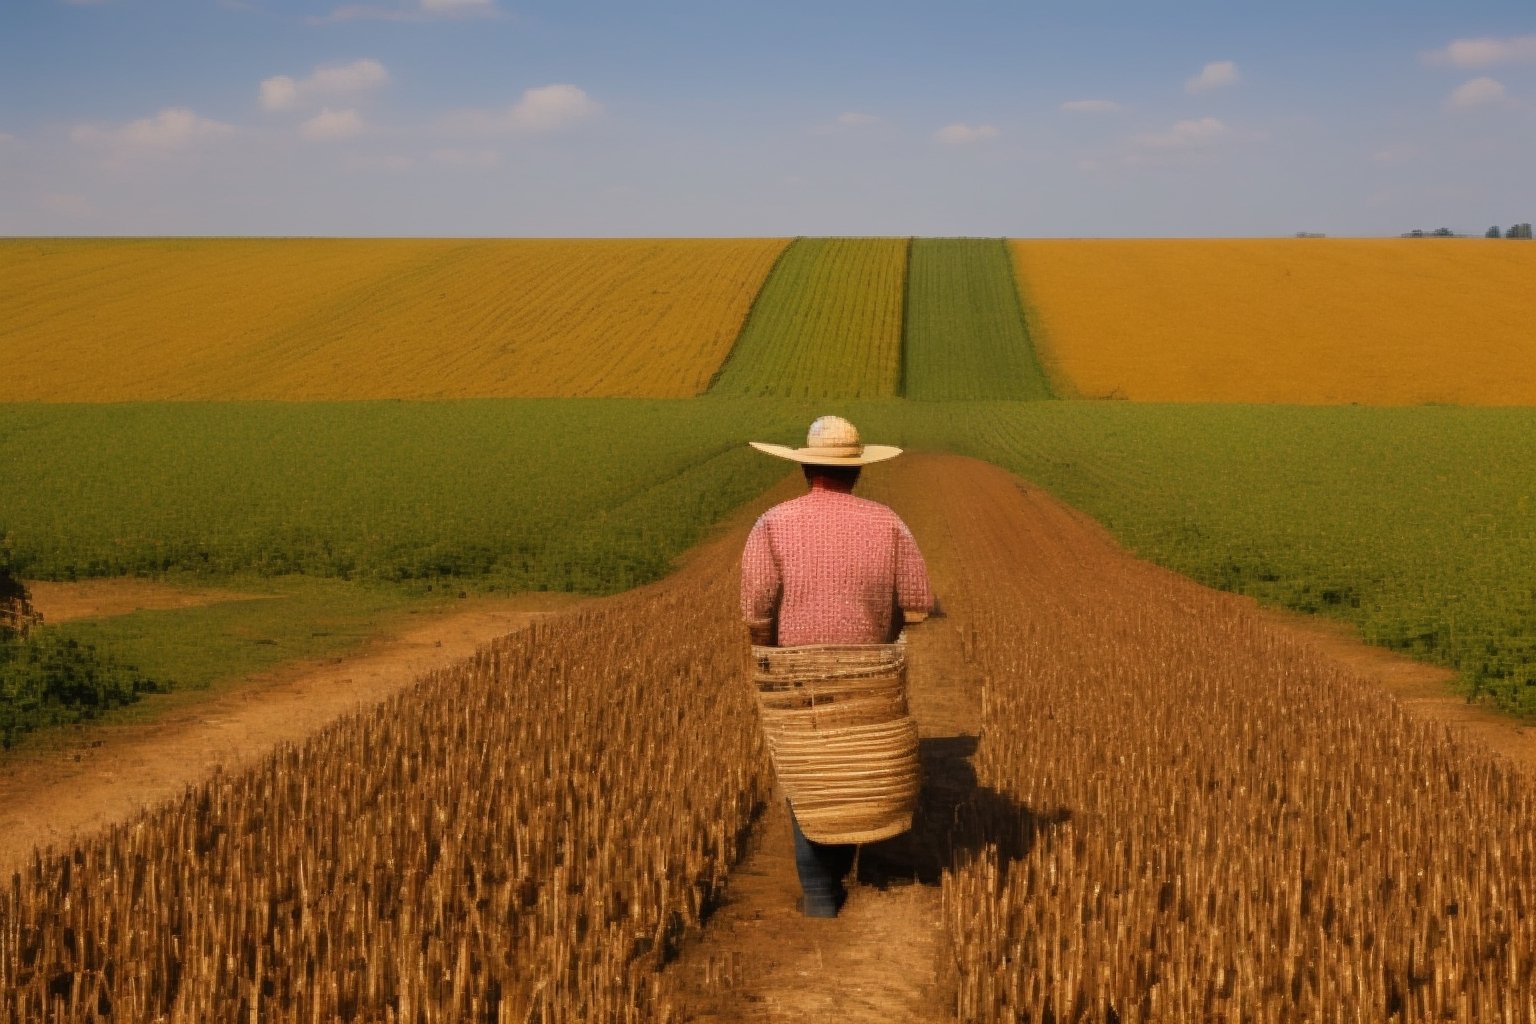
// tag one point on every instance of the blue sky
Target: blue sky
(535, 118)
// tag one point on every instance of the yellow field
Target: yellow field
(121, 320)
(1309, 321)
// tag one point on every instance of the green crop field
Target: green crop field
(965, 332)
(827, 324)
(1419, 524)
(587, 495)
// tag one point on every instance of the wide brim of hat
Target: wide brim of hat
(813, 457)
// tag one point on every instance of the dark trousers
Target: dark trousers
(822, 868)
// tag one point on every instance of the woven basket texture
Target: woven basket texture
(844, 745)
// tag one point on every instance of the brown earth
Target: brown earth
(757, 959)
(100, 599)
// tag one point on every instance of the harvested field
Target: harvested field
(1386, 321)
(1146, 802)
(1219, 823)
(115, 320)
(70, 784)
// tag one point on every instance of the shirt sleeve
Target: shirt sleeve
(761, 580)
(913, 591)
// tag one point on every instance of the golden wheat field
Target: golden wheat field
(316, 319)
(1309, 321)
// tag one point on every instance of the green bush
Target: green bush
(50, 680)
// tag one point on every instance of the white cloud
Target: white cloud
(7, 139)
(960, 134)
(1215, 75)
(1479, 92)
(551, 106)
(1485, 52)
(1190, 134)
(543, 109)
(415, 10)
(279, 93)
(330, 125)
(282, 92)
(1091, 107)
(174, 128)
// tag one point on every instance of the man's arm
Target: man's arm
(761, 586)
(914, 594)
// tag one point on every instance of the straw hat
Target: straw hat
(831, 441)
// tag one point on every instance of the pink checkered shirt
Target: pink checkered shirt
(831, 568)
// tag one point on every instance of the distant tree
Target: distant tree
(1493, 232)
(1415, 233)
(1518, 231)
(1443, 233)
(17, 615)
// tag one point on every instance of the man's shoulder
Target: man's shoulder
(813, 504)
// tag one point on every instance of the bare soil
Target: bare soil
(99, 599)
(758, 959)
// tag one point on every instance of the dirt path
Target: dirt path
(99, 599)
(879, 961)
(104, 774)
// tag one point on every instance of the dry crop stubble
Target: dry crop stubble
(1220, 825)
(1383, 321)
(524, 837)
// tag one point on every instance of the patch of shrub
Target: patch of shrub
(49, 680)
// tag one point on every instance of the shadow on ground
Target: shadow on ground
(956, 819)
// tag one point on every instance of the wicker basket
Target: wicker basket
(844, 745)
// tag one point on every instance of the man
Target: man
(830, 568)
